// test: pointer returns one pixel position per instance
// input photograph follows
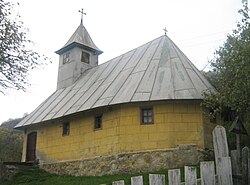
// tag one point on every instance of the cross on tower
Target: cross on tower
(81, 11)
(165, 30)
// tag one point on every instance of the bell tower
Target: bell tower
(76, 56)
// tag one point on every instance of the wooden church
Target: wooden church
(140, 111)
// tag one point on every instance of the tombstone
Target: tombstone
(207, 173)
(235, 167)
(121, 182)
(220, 142)
(190, 175)
(174, 177)
(137, 180)
(222, 159)
(224, 171)
(245, 170)
(156, 179)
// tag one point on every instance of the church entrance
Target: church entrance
(31, 147)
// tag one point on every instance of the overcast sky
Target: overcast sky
(198, 27)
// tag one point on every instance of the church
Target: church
(140, 111)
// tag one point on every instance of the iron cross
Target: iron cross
(165, 30)
(81, 11)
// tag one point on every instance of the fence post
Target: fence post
(190, 175)
(174, 177)
(245, 169)
(137, 180)
(156, 179)
(121, 182)
(207, 173)
(235, 166)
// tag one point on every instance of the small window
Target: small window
(98, 122)
(212, 116)
(66, 129)
(66, 58)
(85, 57)
(147, 116)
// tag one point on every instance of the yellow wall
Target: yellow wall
(174, 124)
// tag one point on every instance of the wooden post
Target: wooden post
(207, 173)
(224, 171)
(245, 169)
(121, 182)
(238, 145)
(248, 170)
(156, 179)
(174, 177)
(137, 180)
(235, 166)
(190, 175)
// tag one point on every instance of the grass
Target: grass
(36, 176)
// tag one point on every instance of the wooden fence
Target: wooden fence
(225, 167)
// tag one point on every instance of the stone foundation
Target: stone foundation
(128, 162)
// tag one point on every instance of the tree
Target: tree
(231, 72)
(11, 123)
(11, 143)
(15, 59)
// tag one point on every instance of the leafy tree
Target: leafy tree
(15, 59)
(231, 72)
(11, 142)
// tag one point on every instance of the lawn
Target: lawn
(35, 176)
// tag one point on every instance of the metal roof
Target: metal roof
(81, 38)
(157, 70)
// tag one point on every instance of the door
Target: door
(31, 147)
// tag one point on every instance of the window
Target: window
(98, 122)
(147, 115)
(66, 58)
(85, 57)
(212, 116)
(66, 129)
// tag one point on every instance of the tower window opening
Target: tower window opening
(66, 57)
(85, 57)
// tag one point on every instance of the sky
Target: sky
(198, 28)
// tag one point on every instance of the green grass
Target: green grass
(35, 176)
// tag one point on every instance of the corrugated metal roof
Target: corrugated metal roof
(80, 38)
(157, 70)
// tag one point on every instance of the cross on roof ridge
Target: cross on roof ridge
(165, 30)
(83, 13)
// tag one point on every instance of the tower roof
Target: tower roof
(157, 70)
(80, 38)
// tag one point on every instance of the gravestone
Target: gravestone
(190, 175)
(137, 180)
(156, 179)
(121, 182)
(207, 173)
(174, 177)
